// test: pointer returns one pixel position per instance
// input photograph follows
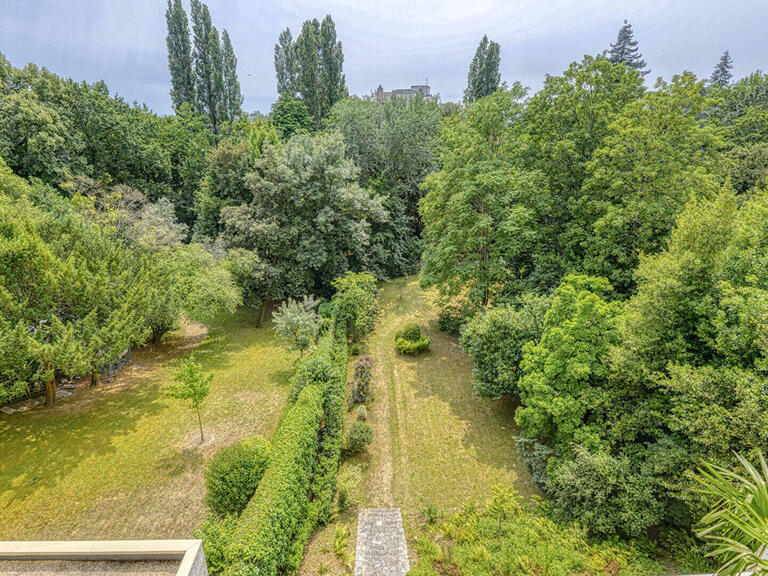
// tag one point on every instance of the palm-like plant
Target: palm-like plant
(737, 527)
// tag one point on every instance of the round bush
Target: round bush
(362, 414)
(233, 475)
(409, 332)
(412, 347)
(359, 436)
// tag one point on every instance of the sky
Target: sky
(395, 43)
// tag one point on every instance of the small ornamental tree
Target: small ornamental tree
(297, 323)
(191, 383)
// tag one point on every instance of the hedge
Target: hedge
(412, 347)
(233, 475)
(262, 541)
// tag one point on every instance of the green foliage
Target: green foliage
(354, 304)
(480, 212)
(290, 116)
(179, 55)
(625, 50)
(297, 323)
(410, 331)
(391, 141)
(361, 392)
(494, 341)
(261, 543)
(360, 434)
(483, 77)
(233, 475)
(190, 383)
(311, 66)
(215, 533)
(349, 485)
(412, 347)
(736, 525)
(504, 538)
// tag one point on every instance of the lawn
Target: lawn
(122, 460)
(435, 443)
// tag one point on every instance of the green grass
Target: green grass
(435, 442)
(122, 460)
(448, 447)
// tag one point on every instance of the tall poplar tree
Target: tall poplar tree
(483, 77)
(233, 99)
(284, 64)
(722, 75)
(306, 50)
(625, 50)
(208, 66)
(333, 84)
(179, 55)
(312, 67)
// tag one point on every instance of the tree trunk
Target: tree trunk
(95, 374)
(200, 422)
(261, 313)
(50, 392)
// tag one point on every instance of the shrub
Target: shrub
(450, 321)
(361, 381)
(215, 533)
(359, 436)
(263, 538)
(409, 332)
(362, 414)
(412, 347)
(233, 475)
(350, 479)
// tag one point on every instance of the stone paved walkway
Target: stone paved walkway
(381, 548)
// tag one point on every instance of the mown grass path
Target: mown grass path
(123, 461)
(435, 442)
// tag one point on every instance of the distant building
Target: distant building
(407, 93)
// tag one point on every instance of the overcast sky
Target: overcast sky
(395, 43)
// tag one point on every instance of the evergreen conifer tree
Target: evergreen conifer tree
(625, 50)
(722, 75)
(179, 55)
(483, 77)
(233, 99)
(284, 64)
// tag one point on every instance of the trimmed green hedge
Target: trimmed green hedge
(263, 539)
(412, 347)
(233, 475)
(409, 332)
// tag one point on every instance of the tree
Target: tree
(332, 81)
(290, 117)
(307, 216)
(722, 75)
(481, 210)
(296, 322)
(306, 52)
(625, 50)
(655, 156)
(735, 526)
(494, 341)
(233, 99)
(484, 77)
(191, 383)
(285, 64)
(355, 303)
(311, 67)
(207, 66)
(179, 55)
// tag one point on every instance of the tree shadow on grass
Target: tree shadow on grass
(41, 448)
